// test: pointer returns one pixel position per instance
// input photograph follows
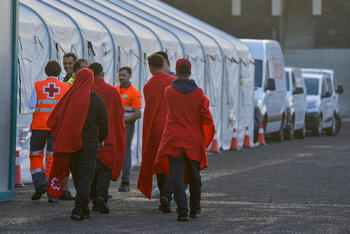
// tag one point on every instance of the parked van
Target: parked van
(320, 104)
(270, 87)
(336, 88)
(296, 98)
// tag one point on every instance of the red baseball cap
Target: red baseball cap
(183, 62)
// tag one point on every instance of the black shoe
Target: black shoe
(77, 214)
(86, 212)
(195, 213)
(165, 205)
(101, 205)
(109, 196)
(38, 192)
(182, 216)
(51, 199)
(124, 187)
(67, 196)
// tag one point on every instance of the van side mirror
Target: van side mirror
(326, 94)
(298, 90)
(340, 89)
(271, 85)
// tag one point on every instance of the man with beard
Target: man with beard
(110, 158)
(132, 102)
(68, 62)
(155, 115)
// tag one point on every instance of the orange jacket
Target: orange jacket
(49, 92)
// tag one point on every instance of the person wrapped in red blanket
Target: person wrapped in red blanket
(189, 129)
(79, 126)
(154, 119)
(111, 157)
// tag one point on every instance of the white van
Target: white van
(320, 104)
(336, 90)
(270, 100)
(296, 98)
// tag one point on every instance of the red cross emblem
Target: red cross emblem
(51, 90)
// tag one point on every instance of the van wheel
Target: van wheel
(279, 136)
(300, 133)
(337, 124)
(317, 130)
(289, 133)
(331, 130)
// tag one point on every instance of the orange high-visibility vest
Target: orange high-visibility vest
(49, 92)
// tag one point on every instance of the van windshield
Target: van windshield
(311, 86)
(258, 73)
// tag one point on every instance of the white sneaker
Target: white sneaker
(156, 192)
(187, 191)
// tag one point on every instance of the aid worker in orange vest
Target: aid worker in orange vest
(46, 94)
(132, 102)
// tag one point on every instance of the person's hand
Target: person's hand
(100, 145)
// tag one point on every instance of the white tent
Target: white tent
(192, 47)
(215, 55)
(119, 33)
(244, 99)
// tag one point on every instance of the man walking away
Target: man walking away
(155, 115)
(184, 140)
(68, 62)
(111, 157)
(45, 96)
(79, 125)
(166, 62)
(77, 66)
(132, 102)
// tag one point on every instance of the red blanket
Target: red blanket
(66, 122)
(113, 152)
(155, 114)
(189, 129)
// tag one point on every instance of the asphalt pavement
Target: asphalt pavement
(299, 186)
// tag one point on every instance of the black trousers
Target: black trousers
(177, 169)
(101, 181)
(165, 186)
(82, 167)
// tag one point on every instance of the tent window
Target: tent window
(73, 49)
(104, 49)
(37, 40)
(19, 85)
(20, 42)
(213, 69)
(91, 52)
(229, 80)
(58, 49)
